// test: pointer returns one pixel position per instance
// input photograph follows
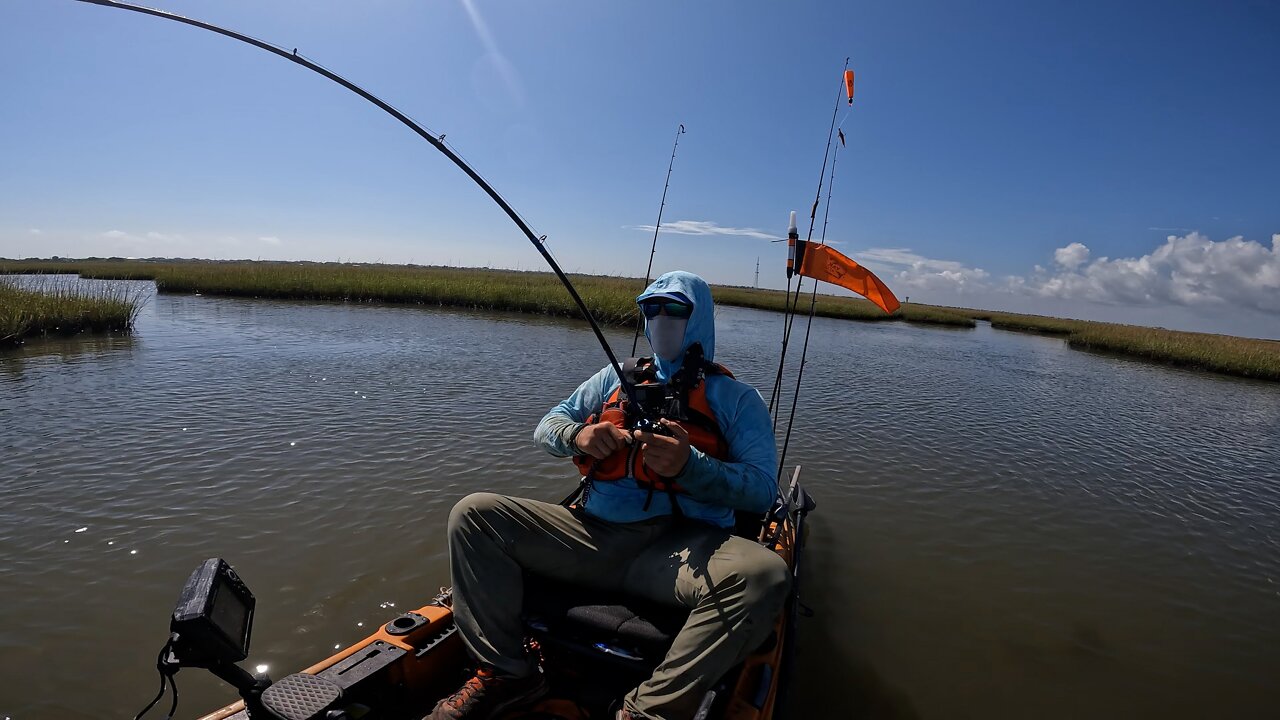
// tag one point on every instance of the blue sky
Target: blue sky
(1106, 160)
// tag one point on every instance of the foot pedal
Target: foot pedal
(301, 697)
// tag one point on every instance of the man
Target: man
(655, 523)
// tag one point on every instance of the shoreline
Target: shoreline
(611, 300)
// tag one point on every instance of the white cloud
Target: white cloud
(36, 231)
(703, 227)
(149, 238)
(1071, 256)
(1189, 270)
(911, 271)
(210, 246)
(166, 238)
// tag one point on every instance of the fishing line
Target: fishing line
(539, 241)
(826, 212)
(847, 113)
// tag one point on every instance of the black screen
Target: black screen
(230, 615)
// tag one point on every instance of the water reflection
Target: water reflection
(77, 348)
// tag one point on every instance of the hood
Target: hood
(701, 328)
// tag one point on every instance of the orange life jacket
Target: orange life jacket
(628, 460)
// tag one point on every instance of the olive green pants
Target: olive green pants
(733, 587)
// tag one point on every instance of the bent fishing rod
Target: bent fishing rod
(539, 242)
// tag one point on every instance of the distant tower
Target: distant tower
(757, 272)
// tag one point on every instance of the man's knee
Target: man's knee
(768, 579)
(760, 577)
(470, 508)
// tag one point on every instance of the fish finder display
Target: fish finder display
(213, 617)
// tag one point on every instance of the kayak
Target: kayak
(592, 647)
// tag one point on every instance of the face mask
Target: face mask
(666, 336)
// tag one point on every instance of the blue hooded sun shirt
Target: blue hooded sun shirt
(713, 488)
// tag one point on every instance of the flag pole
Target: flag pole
(813, 304)
(789, 311)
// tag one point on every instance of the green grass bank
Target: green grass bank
(1225, 354)
(60, 308)
(611, 301)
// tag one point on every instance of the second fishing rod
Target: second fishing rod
(648, 271)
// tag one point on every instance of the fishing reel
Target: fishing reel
(653, 401)
(650, 425)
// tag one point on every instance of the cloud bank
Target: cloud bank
(1189, 270)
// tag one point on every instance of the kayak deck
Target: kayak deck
(592, 647)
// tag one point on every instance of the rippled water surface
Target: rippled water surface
(1006, 527)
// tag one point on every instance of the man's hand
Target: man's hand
(601, 439)
(665, 455)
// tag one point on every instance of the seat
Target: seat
(619, 632)
(616, 630)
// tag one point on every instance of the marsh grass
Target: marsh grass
(1245, 357)
(91, 269)
(64, 308)
(611, 300)
(608, 299)
(833, 306)
(934, 315)
(1021, 323)
(1226, 354)
(1034, 323)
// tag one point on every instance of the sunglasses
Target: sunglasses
(673, 309)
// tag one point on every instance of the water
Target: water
(1005, 526)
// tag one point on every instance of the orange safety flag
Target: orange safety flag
(822, 262)
(848, 84)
